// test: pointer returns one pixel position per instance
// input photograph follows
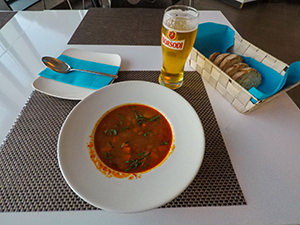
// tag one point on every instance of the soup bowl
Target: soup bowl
(150, 190)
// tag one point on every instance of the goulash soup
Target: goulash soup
(133, 138)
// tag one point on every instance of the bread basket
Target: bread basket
(241, 99)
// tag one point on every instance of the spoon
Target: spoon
(62, 67)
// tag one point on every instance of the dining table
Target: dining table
(250, 171)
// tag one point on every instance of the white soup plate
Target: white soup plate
(154, 188)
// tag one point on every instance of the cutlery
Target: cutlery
(62, 67)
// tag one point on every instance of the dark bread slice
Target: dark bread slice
(240, 73)
(235, 68)
(220, 58)
(213, 56)
(233, 65)
(248, 77)
(229, 61)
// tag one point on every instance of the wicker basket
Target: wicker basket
(238, 96)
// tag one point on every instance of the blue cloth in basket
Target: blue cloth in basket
(214, 37)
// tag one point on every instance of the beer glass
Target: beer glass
(178, 33)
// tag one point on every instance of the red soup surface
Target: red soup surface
(133, 138)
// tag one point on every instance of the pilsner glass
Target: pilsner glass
(178, 33)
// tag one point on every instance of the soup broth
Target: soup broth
(133, 138)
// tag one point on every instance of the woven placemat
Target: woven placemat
(5, 17)
(119, 27)
(30, 179)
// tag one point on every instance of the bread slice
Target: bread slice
(229, 61)
(213, 56)
(233, 65)
(248, 77)
(235, 68)
(240, 73)
(220, 58)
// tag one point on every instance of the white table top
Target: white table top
(263, 145)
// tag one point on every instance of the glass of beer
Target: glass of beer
(178, 33)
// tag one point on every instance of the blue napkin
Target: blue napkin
(82, 79)
(293, 74)
(213, 37)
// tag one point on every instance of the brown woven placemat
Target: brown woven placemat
(5, 17)
(30, 179)
(119, 27)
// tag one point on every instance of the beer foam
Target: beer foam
(180, 21)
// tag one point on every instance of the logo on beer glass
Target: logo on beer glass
(176, 45)
(172, 34)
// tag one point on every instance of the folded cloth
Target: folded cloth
(213, 37)
(79, 78)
